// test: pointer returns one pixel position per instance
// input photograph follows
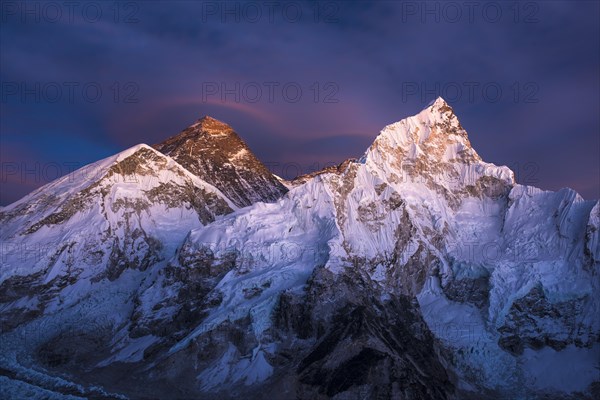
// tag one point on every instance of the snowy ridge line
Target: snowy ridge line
(83, 177)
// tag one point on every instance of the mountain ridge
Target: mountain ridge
(418, 270)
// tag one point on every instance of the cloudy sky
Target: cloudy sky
(306, 84)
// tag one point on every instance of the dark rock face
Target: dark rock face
(211, 150)
(472, 287)
(474, 291)
(186, 288)
(490, 187)
(524, 325)
(383, 350)
(377, 356)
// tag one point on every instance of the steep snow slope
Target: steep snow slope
(139, 194)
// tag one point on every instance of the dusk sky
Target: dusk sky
(305, 84)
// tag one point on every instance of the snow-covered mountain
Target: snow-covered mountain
(127, 212)
(416, 271)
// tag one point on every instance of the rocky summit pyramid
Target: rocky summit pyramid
(212, 151)
(416, 271)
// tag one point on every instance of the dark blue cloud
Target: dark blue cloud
(377, 61)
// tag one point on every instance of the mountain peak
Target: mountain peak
(210, 125)
(213, 151)
(441, 111)
(438, 103)
(431, 145)
(431, 131)
(209, 118)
